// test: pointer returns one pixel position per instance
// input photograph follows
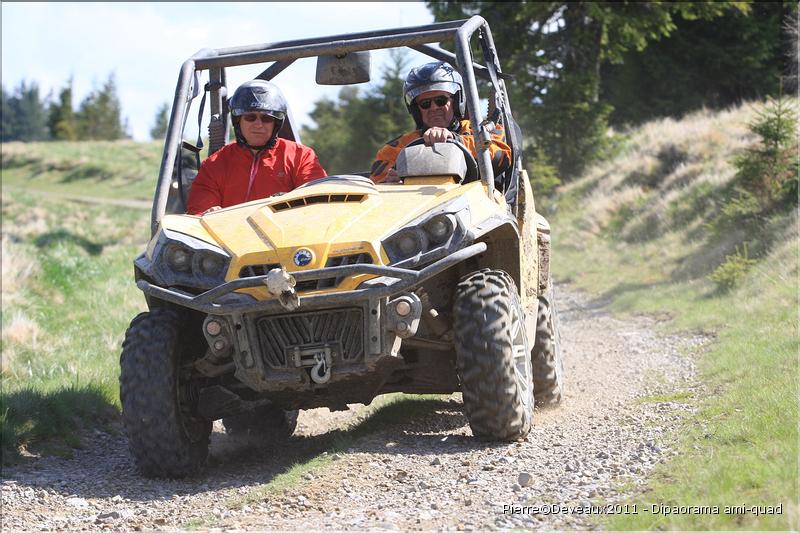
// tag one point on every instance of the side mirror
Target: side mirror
(343, 69)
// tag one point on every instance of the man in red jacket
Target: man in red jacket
(258, 164)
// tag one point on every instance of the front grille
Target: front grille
(256, 270)
(342, 260)
(314, 284)
(341, 330)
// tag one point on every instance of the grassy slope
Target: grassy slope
(633, 231)
(67, 288)
(118, 169)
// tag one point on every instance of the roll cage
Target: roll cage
(283, 54)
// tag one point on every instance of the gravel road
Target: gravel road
(421, 474)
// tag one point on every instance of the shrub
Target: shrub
(769, 170)
(731, 271)
(543, 175)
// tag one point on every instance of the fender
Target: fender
(501, 235)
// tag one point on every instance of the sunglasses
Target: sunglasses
(252, 117)
(440, 101)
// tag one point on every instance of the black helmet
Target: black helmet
(436, 76)
(258, 96)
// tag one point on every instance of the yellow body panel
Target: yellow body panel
(255, 234)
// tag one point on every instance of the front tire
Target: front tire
(492, 355)
(166, 437)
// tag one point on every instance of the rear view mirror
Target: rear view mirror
(343, 69)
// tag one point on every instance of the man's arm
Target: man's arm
(205, 193)
(309, 168)
(499, 151)
(386, 158)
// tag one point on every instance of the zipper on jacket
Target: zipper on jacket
(253, 172)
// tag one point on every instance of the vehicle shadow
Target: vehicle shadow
(105, 469)
(51, 238)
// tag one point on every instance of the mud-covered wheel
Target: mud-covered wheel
(548, 366)
(165, 436)
(266, 422)
(492, 354)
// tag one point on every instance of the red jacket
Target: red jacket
(234, 175)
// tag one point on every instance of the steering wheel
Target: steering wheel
(472, 163)
(351, 178)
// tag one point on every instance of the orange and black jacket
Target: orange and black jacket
(386, 157)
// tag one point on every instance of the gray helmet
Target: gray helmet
(436, 76)
(258, 96)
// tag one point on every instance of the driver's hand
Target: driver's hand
(211, 210)
(392, 177)
(437, 135)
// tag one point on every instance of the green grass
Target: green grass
(111, 169)
(741, 446)
(679, 397)
(68, 296)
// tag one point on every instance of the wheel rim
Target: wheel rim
(522, 361)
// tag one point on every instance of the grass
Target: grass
(679, 397)
(112, 169)
(741, 446)
(67, 296)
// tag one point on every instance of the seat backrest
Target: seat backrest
(188, 171)
(289, 130)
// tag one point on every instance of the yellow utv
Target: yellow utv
(342, 289)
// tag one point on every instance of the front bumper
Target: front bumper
(219, 300)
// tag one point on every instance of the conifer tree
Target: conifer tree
(61, 121)
(99, 115)
(159, 129)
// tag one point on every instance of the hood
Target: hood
(336, 217)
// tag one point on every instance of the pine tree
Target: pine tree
(61, 121)
(8, 114)
(159, 129)
(99, 115)
(24, 114)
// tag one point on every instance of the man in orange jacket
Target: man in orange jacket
(434, 96)
(258, 164)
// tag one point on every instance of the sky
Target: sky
(144, 44)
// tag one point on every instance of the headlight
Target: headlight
(179, 259)
(211, 265)
(440, 227)
(430, 237)
(409, 243)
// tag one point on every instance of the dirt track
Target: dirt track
(416, 474)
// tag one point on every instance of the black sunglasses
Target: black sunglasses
(440, 101)
(252, 117)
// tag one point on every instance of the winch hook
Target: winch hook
(320, 372)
